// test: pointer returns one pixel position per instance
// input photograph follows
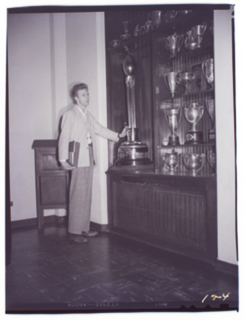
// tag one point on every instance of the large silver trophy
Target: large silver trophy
(208, 71)
(209, 103)
(193, 114)
(173, 117)
(171, 81)
(194, 162)
(132, 152)
(173, 43)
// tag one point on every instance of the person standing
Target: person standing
(78, 125)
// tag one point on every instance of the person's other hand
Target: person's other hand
(66, 166)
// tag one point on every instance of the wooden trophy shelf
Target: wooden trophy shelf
(171, 204)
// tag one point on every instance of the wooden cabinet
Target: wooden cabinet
(52, 182)
(170, 212)
(172, 205)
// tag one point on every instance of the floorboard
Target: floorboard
(50, 273)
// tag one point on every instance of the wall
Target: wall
(47, 54)
(30, 105)
(225, 136)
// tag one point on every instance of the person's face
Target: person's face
(82, 98)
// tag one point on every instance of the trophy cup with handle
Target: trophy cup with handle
(173, 117)
(209, 103)
(194, 162)
(171, 81)
(173, 43)
(193, 114)
(208, 71)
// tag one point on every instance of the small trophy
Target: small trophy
(190, 41)
(171, 161)
(156, 18)
(209, 103)
(198, 32)
(173, 43)
(208, 70)
(186, 78)
(171, 81)
(193, 114)
(173, 116)
(194, 162)
(211, 157)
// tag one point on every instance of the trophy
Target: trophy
(211, 157)
(171, 161)
(198, 32)
(208, 70)
(209, 103)
(186, 78)
(173, 43)
(132, 152)
(156, 17)
(190, 41)
(173, 116)
(194, 162)
(193, 114)
(171, 81)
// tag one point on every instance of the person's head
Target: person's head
(78, 91)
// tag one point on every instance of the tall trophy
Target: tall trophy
(173, 43)
(208, 71)
(133, 152)
(209, 103)
(193, 114)
(173, 116)
(171, 81)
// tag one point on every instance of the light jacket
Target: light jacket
(74, 127)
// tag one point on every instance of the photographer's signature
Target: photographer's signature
(214, 297)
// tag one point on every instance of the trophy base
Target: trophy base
(194, 137)
(133, 153)
(173, 141)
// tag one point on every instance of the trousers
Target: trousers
(80, 198)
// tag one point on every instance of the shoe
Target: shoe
(78, 238)
(89, 233)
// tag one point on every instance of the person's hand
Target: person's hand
(65, 165)
(124, 132)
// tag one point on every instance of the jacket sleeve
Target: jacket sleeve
(103, 131)
(64, 138)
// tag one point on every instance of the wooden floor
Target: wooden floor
(48, 273)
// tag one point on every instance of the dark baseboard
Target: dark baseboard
(49, 219)
(99, 227)
(226, 267)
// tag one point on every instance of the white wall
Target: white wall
(48, 53)
(30, 108)
(225, 136)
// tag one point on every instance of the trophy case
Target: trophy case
(170, 202)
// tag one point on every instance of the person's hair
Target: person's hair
(76, 88)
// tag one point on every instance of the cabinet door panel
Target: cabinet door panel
(53, 190)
